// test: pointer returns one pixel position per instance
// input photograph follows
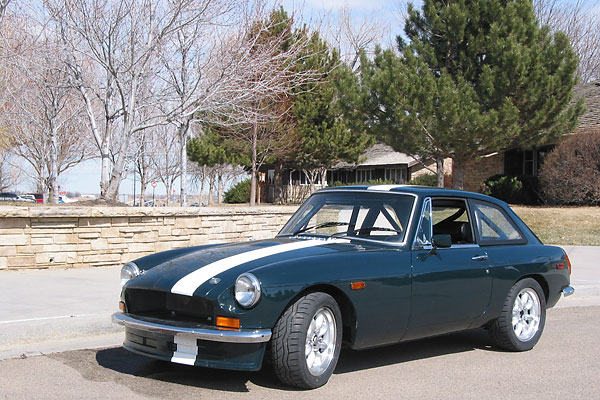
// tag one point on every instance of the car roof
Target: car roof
(420, 191)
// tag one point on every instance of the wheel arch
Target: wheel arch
(346, 307)
(541, 281)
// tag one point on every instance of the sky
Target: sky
(85, 177)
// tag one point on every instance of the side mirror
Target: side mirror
(441, 241)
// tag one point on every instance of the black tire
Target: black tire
(501, 330)
(289, 341)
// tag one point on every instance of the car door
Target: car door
(450, 286)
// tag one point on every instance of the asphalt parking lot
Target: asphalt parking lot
(56, 341)
(564, 364)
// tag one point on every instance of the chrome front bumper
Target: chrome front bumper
(567, 291)
(208, 333)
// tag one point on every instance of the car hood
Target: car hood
(193, 273)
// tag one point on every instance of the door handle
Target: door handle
(482, 257)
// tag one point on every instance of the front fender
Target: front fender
(381, 307)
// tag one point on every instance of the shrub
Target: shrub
(240, 193)
(571, 172)
(424, 180)
(503, 187)
(513, 189)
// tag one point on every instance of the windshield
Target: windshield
(368, 215)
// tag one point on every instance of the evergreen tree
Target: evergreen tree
(323, 113)
(214, 149)
(476, 77)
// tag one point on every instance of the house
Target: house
(527, 162)
(381, 162)
(378, 162)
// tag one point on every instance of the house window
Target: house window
(363, 175)
(271, 176)
(396, 175)
(529, 163)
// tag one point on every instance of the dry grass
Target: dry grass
(563, 225)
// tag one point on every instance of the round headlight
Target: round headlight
(247, 290)
(129, 271)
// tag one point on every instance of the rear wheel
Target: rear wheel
(522, 320)
(306, 341)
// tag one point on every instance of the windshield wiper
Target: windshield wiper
(323, 225)
(367, 230)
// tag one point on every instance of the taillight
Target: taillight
(568, 262)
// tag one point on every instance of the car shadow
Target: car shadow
(124, 362)
(454, 343)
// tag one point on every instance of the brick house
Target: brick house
(528, 162)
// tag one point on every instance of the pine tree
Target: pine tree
(476, 77)
(214, 149)
(323, 114)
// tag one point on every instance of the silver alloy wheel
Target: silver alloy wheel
(526, 314)
(320, 341)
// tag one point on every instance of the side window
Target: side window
(494, 226)
(424, 231)
(451, 217)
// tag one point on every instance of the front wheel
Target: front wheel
(306, 341)
(522, 320)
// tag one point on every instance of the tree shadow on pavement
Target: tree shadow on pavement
(122, 361)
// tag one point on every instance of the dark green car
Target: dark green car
(360, 266)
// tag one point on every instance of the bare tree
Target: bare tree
(41, 113)
(112, 58)
(165, 157)
(9, 174)
(189, 62)
(351, 36)
(143, 164)
(3, 5)
(580, 20)
(219, 76)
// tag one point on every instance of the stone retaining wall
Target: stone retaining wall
(48, 237)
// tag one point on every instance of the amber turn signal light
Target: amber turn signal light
(232, 323)
(568, 263)
(122, 306)
(357, 285)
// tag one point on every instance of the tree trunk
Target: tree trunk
(105, 160)
(254, 155)
(169, 194)
(211, 186)
(202, 184)
(278, 181)
(458, 173)
(183, 133)
(143, 187)
(53, 168)
(439, 163)
(220, 189)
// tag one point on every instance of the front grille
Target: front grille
(168, 306)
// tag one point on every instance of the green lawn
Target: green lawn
(563, 225)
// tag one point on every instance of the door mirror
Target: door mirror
(442, 241)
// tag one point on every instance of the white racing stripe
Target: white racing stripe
(384, 188)
(192, 281)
